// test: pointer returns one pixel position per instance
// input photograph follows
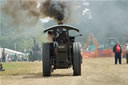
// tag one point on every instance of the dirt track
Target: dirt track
(96, 71)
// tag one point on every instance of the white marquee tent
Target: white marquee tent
(9, 51)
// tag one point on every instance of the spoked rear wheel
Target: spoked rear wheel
(76, 59)
(46, 59)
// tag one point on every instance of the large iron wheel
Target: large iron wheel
(46, 59)
(76, 59)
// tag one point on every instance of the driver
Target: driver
(62, 37)
(50, 36)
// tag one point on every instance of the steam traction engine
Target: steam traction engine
(63, 52)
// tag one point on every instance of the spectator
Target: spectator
(126, 53)
(117, 50)
(1, 66)
(3, 55)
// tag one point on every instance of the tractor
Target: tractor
(63, 52)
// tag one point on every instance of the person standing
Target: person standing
(117, 50)
(50, 36)
(3, 55)
(126, 53)
(1, 66)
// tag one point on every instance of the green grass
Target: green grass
(21, 68)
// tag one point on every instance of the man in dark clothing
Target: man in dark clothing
(3, 55)
(117, 50)
(1, 66)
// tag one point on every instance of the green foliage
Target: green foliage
(19, 37)
(41, 39)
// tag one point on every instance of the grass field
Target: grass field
(20, 68)
(95, 71)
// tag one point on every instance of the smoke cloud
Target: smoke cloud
(109, 19)
(19, 10)
(105, 18)
(24, 15)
